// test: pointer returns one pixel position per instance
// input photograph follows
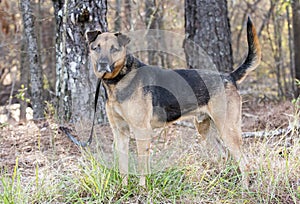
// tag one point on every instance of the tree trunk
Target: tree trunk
(207, 25)
(277, 53)
(118, 19)
(36, 77)
(155, 37)
(128, 16)
(76, 82)
(291, 51)
(151, 12)
(296, 30)
(24, 80)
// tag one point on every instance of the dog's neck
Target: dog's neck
(130, 64)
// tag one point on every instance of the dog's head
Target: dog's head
(107, 53)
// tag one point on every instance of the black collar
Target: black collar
(129, 65)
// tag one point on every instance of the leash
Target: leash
(67, 130)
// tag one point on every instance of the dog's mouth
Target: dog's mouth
(108, 69)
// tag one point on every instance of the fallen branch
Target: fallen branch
(258, 134)
(270, 133)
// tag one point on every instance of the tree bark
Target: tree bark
(296, 31)
(277, 54)
(76, 82)
(207, 25)
(291, 50)
(128, 16)
(154, 12)
(151, 20)
(24, 80)
(118, 18)
(36, 77)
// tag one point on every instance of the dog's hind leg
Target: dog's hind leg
(202, 125)
(228, 124)
(207, 131)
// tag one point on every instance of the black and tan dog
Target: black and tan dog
(141, 98)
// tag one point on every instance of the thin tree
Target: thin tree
(24, 81)
(36, 77)
(118, 19)
(207, 25)
(154, 12)
(291, 50)
(128, 15)
(296, 31)
(152, 18)
(75, 83)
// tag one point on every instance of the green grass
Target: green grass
(275, 178)
(12, 191)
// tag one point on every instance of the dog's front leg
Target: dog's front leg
(143, 142)
(121, 134)
(122, 146)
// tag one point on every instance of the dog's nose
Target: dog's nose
(103, 66)
(108, 69)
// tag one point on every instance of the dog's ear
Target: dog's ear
(123, 40)
(92, 35)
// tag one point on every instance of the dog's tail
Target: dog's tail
(253, 57)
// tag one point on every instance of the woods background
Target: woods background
(61, 50)
(45, 74)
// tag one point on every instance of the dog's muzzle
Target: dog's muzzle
(103, 66)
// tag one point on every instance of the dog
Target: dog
(141, 98)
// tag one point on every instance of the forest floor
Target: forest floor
(28, 146)
(35, 143)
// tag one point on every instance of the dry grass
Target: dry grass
(39, 165)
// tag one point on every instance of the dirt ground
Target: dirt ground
(42, 144)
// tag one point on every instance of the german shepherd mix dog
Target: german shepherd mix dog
(141, 98)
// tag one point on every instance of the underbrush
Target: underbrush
(274, 178)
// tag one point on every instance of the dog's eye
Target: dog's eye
(113, 49)
(96, 47)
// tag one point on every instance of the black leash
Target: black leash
(67, 130)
